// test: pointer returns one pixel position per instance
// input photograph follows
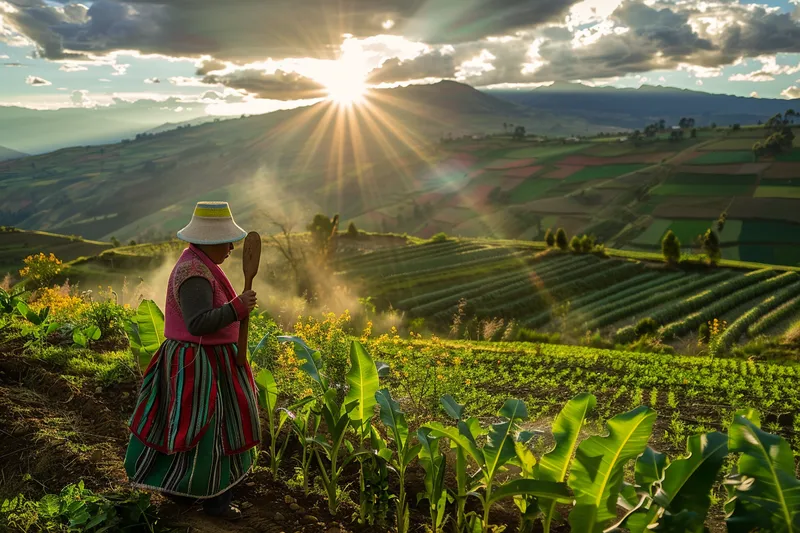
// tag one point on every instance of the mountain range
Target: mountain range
(634, 108)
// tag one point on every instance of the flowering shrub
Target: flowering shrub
(62, 301)
(40, 269)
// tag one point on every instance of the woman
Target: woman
(196, 425)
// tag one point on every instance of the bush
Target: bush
(440, 237)
(671, 248)
(108, 316)
(587, 244)
(711, 246)
(352, 231)
(528, 335)
(646, 326)
(575, 244)
(40, 269)
(549, 238)
(561, 239)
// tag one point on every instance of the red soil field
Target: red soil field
(783, 169)
(503, 164)
(523, 172)
(562, 172)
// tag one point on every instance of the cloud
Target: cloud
(72, 67)
(4, 56)
(769, 69)
(242, 30)
(431, 65)
(36, 81)
(210, 65)
(152, 80)
(13, 64)
(753, 94)
(755, 77)
(792, 92)
(279, 85)
(81, 98)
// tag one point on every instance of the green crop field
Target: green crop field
(722, 158)
(731, 144)
(546, 152)
(531, 189)
(603, 172)
(768, 191)
(794, 155)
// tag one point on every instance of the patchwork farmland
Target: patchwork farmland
(520, 284)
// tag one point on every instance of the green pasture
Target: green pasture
(770, 232)
(794, 155)
(687, 231)
(772, 254)
(730, 144)
(768, 191)
(532, 189)
(722, 158)
(603, 172)
(707, 185)
(545, 152)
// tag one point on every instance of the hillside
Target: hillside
(37, 131)
(632, 108)
(8, 153)
(349, 160)
(16, 245)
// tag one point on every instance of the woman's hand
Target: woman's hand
(249, 299)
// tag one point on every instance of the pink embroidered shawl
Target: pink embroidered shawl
(194, 263)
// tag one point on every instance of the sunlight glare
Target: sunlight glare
(347, 83)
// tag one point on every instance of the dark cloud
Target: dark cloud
(664, 29)
(244, 30)
(278, 86)
(152, 80)
(210, 66)
(432, 65)
(37, 81)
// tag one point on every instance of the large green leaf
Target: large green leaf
(769, 491)
(151, 326)
(688, 482)
(453, 409)
(363, 381)
(532, 487)
(566, 428)
(597, 472)
(649, 468)
(461, 436)
(499, 448)
(393, 418)
(267, 390)
(309, 357)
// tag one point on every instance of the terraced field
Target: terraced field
(554, 291)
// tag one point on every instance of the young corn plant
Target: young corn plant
(304, 424)
(268, 399)
(39, 324)
(406, 451)
(492, 458)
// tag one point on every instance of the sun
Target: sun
(347, 86)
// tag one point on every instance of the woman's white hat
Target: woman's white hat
(212, 223)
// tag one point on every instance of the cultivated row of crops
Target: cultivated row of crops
(488, 281)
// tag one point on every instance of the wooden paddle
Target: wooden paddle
(251, 256)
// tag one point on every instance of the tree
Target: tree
(352, 231)
(549, 238)
(671, 248)
(115, 242)
(723, 218)
(561, 239)
(323, 233)
(132, 243)
(587, 244)
(713, 125)
(711, 246)
(519, 133)
(662, 124)
(575, 244)
(694, 133)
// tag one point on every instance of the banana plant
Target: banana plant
(9, 301)
(276, 419)
(394, 419)
(434, 463)
(464, 482)
(304, 423)
(82, 336)
(145, 332)
(676, 492)
(554, 464)
(493, 457)
(597, 472)
(764, 493)
(40, 327)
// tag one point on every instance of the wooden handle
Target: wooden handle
(251, 256)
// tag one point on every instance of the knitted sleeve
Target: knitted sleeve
(197, 307)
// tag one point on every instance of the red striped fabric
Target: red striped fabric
(184, 387)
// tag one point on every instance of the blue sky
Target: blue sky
(85, 54)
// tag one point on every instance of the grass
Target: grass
(731, 144)
(769, 191)
(545, 152)
(722, 158)
(603, 172)
(701, 190)
(532, 189)
(794, 155)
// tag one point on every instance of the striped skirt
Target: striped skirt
(195, 426)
